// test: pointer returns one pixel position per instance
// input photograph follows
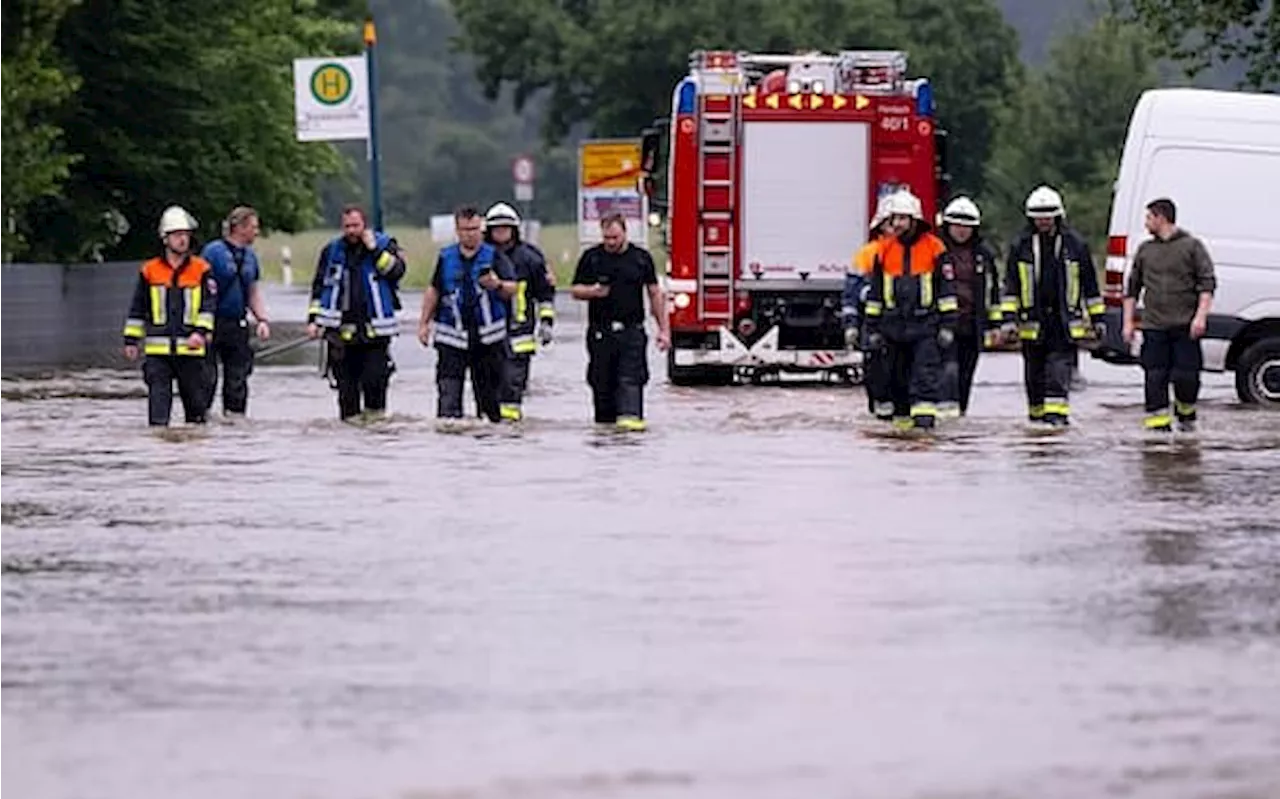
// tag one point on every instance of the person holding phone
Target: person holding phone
(464, 311)
(613, 277)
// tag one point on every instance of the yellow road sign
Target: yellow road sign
(609, 164)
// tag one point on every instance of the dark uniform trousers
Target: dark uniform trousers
(160, 372)
(913, 361)
(617, 371)
(960, 362)
(486, 364)
(1171, 355)
(875, 378)
(515, 377)
(231, 347)
(363, 371)
(1047, 365)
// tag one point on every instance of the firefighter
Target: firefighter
(978, 314)
(1051, 299)
(172, 317)
(532, 311)
(235, 267)
(464, 311)
(353, 305)
(613, 277)
(1173, 275)
(856, 286)
(911, 312)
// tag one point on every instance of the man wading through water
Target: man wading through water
(235, 267)
(613, 278)
(353, 303)
(1173, 276)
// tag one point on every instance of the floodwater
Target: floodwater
(757, 598)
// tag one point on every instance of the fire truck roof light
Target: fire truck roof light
(924, 99)
(686, 97)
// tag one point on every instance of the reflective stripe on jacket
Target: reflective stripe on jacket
(912, 284)
(988, 311)
(170, 304)
(379, 292)
(1072, 265)
(534, 297)
(490, 309)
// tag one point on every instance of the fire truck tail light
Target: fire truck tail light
(682, 300)
(746, 327)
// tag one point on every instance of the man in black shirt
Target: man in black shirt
(613, 277)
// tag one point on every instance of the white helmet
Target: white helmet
(501, 214)
(1044, 203)
(881, 213)
(962, 211)
(903, 202)
(176, 218)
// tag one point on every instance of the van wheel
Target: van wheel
(1258, 373)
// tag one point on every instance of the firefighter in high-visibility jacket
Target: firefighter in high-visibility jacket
(1051, 303)
(171, 320)
(911, 310)
(856, 286)
(533, 310)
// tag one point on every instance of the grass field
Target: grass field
(558, 242)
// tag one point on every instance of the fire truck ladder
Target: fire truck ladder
(720, 124)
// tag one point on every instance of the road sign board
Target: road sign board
(609, 163)
(331, 98)
(523, 192)
(522, 169)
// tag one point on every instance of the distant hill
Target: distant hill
(1038, 21)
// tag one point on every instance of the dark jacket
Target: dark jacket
(984, 288)
(1050, 278)
(911, 291)
(534, 299)
(1169, 275)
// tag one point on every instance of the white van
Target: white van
(1217, 156)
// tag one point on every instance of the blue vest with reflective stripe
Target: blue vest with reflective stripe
(488, 309)
(379, 297)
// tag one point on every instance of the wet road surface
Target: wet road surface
(757, 598)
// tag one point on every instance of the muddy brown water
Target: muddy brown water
(757, 598)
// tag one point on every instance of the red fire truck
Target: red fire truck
(775, 164)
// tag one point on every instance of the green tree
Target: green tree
(34, 86)
(188, 103)
(1066, 126)
(1200, 33)
(442, 142)
(613, 65)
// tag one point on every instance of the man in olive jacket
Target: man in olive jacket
(1172, 274)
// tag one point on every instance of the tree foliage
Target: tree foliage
(442, 142)
(188, 103)
(34, 87)
(1067, 125)
(613, 65)
(1201, 33)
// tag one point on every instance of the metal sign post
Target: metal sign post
(522, 177)
(375, 176)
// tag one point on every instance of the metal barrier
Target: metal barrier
(56, 316)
